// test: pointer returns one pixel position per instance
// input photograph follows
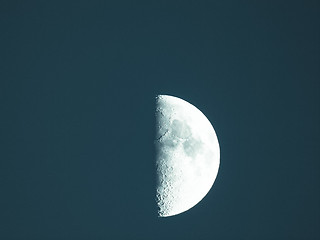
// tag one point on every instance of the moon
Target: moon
(187, 155)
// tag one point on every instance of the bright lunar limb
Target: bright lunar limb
(187, 155)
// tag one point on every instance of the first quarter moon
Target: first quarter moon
(187, 155)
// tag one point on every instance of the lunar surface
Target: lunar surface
(187, 155)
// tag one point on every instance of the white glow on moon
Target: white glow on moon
(188, 155)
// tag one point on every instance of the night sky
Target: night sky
(78, 82)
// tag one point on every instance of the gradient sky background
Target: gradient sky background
(77, 87)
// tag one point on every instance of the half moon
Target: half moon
(187, 155)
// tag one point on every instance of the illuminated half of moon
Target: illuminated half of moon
(187, 155)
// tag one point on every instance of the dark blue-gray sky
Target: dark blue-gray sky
(77, 87)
